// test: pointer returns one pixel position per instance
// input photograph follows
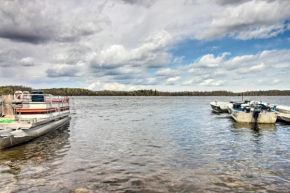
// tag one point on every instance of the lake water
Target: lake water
(151, 144)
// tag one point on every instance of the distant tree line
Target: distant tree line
(11, 89)
(86, 92)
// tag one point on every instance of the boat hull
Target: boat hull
(219, 107)
(229, 110)
(284, 117)
(244, 117)
(32, 133)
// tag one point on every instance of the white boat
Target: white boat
(25, 116)
(253, 113)
(244, 104)
(283, 112)
(220, 107)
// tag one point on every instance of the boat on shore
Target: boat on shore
(253, 113)
(25, 116)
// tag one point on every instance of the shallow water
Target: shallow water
(152, 144)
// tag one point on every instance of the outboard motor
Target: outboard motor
(256, 112)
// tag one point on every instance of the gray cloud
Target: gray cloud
(15, 58)
(63, 70)
(38, 22)
(231, 2)
(124, 70)
(22, 36)
(71, 54)
(146, 3)
(8, 58)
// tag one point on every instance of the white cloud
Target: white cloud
(151, 80)
(261, 32)
(150, 54)
(138, 87)
(219, 73)
(257, 68)
(275, 58)
(238, 61)
(28, 61)
(114, 86)
(178, 60)
(94, 85)
(212, 82)
(276, 81)
(252, 19)
(230, 70)
(115, 56)
(195, 69)
(172, 80)
(165, 72)
(210, 61)
(215, 48)
(193, 81)
(270, 58)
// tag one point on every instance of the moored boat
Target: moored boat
(283, 112)
(224, 107)
(220, 107)
(253, 113)
(25, 116)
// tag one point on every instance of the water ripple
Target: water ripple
(151, 144)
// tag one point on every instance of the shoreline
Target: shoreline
(86, 92)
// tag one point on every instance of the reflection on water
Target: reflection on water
(252, 125)
(151, 144)
(27, 160)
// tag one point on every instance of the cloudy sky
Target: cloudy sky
(168, 45)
